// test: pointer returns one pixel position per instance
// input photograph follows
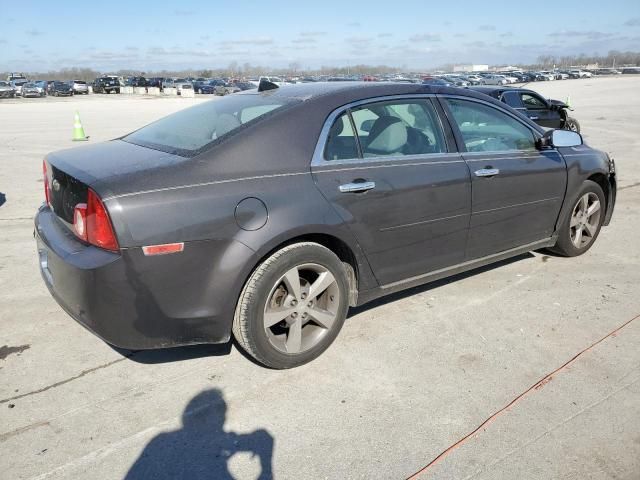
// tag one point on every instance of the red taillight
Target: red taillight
(92, 224)
(47, 194)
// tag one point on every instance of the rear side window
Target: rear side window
(191, 129)
(392, 128)
(486, 129)
(341, 142)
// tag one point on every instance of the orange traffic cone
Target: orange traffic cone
(78, 131)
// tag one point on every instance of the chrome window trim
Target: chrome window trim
(318, 154)
(387, 162)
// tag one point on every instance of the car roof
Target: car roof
(351, 91)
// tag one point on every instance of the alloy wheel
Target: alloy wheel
(301, 308)
(585, 220)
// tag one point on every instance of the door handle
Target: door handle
(487, 172)
(534, 118)
(357, 187)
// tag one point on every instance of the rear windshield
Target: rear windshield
(188, 131)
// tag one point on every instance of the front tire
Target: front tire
(572, 124)
(580, 229)
(293, 306)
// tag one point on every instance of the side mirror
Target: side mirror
(561, 138)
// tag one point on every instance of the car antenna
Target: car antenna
(266, 85)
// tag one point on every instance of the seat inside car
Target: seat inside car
(341, 146)
(388, 136)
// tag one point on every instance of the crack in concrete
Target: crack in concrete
(67, 380)
(633, 185)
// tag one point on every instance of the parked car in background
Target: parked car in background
(243, 86)
(182, 84)
(494, 80)
(7, 90)
(545, 112)
(30, 89)
(225, 88)
(204, 86)
(168, 83)
(42, 87)
(580, 74)
(266, 215)
(106, 85)
(136, 82)
(79, 87)
(436, 82)
(631, 70)
(17, 85)
(155, 82)
(60, 89)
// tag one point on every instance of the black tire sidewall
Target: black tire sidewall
(565, 246)
(267, 353)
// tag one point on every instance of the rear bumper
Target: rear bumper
(137, 302)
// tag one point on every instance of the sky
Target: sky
(42, 35)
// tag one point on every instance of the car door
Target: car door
(517, 189)
(539, 110)
(392, 173)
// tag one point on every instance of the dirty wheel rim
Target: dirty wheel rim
(301, 308)
(585, 220)
(572, 126)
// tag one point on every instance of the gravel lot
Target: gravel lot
(408, 376)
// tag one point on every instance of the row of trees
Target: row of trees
(235, 69)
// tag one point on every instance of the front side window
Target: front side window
(396, 128)
(189, 130)
(486, 129)
(512, 99)
(531, 102)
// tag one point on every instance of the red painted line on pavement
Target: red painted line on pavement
(536, 386)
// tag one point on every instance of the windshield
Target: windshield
(187, 131)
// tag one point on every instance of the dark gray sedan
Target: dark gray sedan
(268, 213)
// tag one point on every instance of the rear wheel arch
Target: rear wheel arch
(335, 244)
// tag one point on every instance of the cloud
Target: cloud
(353, 24)
(2, 40)
(204, 37)
(112, 56)
(476, 44)
(312, 34)
(304, 40)
(34, 33)
(632, 22)
(506, 34)
(460, 35)
(249, 41)
(425, 37)
(131, 49)
(487, 28)
(184, 13)
(385, 35)
(588, 34)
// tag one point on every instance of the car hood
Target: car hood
(116, 167)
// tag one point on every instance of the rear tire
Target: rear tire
(580, 229)
(293, 306)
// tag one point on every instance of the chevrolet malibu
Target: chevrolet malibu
(267, 214)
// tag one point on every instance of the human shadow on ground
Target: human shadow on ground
(202, 448)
